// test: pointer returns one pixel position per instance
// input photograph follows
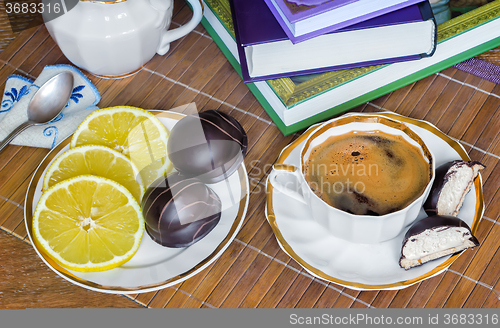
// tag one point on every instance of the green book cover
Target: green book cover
(296, 92)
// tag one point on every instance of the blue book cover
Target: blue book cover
(255, 24)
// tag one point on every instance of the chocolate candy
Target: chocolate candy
(209, 145)
(180, 211)
(453, 180)
(434, 237)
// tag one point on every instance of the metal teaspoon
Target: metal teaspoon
(46, 104)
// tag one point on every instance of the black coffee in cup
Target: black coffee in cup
(367, 172)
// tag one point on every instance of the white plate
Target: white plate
(362, 266)
(154, 267)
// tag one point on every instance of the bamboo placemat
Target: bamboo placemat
(253, 271)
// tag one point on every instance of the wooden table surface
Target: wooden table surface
(253, 271)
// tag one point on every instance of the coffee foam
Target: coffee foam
(357, 126)
(366, 172)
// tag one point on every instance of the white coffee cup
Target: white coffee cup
(116, 38)
(290, 180)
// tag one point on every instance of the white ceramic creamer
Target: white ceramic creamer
(117, 38)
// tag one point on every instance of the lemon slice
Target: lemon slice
(88, 223)
(95, 160)
(132, 131)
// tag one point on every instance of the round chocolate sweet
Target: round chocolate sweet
(180, 211)
(209, 145)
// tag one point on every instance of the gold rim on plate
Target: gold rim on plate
(400, 284)
(28, 218)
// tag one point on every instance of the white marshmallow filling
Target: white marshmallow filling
(451, 197)
(434, 243)
(454, 190)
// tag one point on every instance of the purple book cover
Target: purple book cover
(338, 26)
(296, 10)
(268, 30)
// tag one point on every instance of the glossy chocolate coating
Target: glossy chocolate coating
(180, 211)
(436, 221)
(442, 176)
(209, 145)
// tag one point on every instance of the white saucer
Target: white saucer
(362, 266)
(154, 267)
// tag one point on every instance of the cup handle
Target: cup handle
(284, 169)
(177, 33)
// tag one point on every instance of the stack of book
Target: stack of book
(296, 99)
(282, 38)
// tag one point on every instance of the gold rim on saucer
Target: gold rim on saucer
(28, 217)
(401, 284)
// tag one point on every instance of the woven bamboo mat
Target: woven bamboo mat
(253, 271)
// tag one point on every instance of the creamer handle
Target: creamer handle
(177, 33)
